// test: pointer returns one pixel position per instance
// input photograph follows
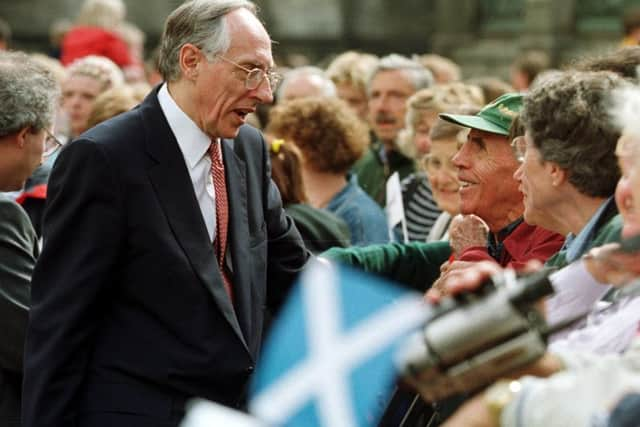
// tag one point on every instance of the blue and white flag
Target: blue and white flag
(329, 359)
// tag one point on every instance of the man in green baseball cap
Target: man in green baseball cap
(492, 227)
(495, 117)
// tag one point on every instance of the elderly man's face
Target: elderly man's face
(388, 94)
(486, 165)
(221, 101)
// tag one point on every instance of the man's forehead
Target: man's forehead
(480, 134)
(392, 78)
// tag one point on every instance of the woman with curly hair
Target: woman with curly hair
(331, 138)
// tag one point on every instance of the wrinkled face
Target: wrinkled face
(78, 95)
(485, 170)
(421, 131)
(442, 175)
(28, 156)
(355, 97)
(388, 94)
(540, 196)
(221, 101)
(628, 189)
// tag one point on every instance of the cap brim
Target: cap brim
(474, 122)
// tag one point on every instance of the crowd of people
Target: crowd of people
(155, 214)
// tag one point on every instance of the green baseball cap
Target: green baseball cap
(495, 117)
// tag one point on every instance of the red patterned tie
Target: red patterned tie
(222, 211)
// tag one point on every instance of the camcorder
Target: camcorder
(476, 337)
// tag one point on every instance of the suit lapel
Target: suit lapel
(238, 233)
(172, 183)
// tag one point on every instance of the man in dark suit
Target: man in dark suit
(29, 94)
(138, 304)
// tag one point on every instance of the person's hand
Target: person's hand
(607, 264)
(467, 231)
(474, 413)
(467, 277)
(446, 270)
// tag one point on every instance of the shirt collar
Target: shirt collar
(578, 244)
(193, 142)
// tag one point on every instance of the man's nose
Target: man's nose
(264, 92)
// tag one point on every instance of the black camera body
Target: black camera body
(474, 338)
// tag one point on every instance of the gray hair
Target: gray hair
(419, 76)
(326, 85)
(29, 93)
(198, 22)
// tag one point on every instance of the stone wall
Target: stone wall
(483, 35)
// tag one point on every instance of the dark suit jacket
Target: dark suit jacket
(18, 252)
(130, 317)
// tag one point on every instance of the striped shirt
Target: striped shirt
(420, 209)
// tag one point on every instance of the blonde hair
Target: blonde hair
(102, 13)
(352, 68)
(110, 103)
(443, 69)
(439, 99)
(98, 68)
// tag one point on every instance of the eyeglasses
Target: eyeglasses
(255, 76)
(433, 165)
(519, 147)
(51, 144)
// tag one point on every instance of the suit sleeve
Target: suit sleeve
(18, 248)
(287, 254)
(83, 234)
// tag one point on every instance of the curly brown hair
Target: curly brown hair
(569, 123)
(328, 133)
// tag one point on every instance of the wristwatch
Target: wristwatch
(499, 395)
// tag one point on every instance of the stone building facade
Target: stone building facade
(482, 35)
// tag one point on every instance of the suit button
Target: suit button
(249, 369)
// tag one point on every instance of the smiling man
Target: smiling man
(152, 286)
(488, 191)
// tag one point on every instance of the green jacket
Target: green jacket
(374, 168)
(415, 264)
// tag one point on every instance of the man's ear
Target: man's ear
(190, 57)
(558, 175)
(21, 137)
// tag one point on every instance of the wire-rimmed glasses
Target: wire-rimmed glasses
(51, 144)
(255, 76)
(519, 146)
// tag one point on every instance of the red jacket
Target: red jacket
(525, 243)
(84, 41)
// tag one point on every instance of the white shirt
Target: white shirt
(194, 144)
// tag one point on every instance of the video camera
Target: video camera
(474, 338)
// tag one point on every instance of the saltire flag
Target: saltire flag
(329, 359)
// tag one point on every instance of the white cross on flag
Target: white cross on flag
(329, 359)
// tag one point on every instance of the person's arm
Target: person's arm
(416, 264)
(18, 247)
(84, 230)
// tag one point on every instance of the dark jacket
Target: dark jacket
(130, 317)
(18, 252)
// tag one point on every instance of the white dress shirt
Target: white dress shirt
(194, 144)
